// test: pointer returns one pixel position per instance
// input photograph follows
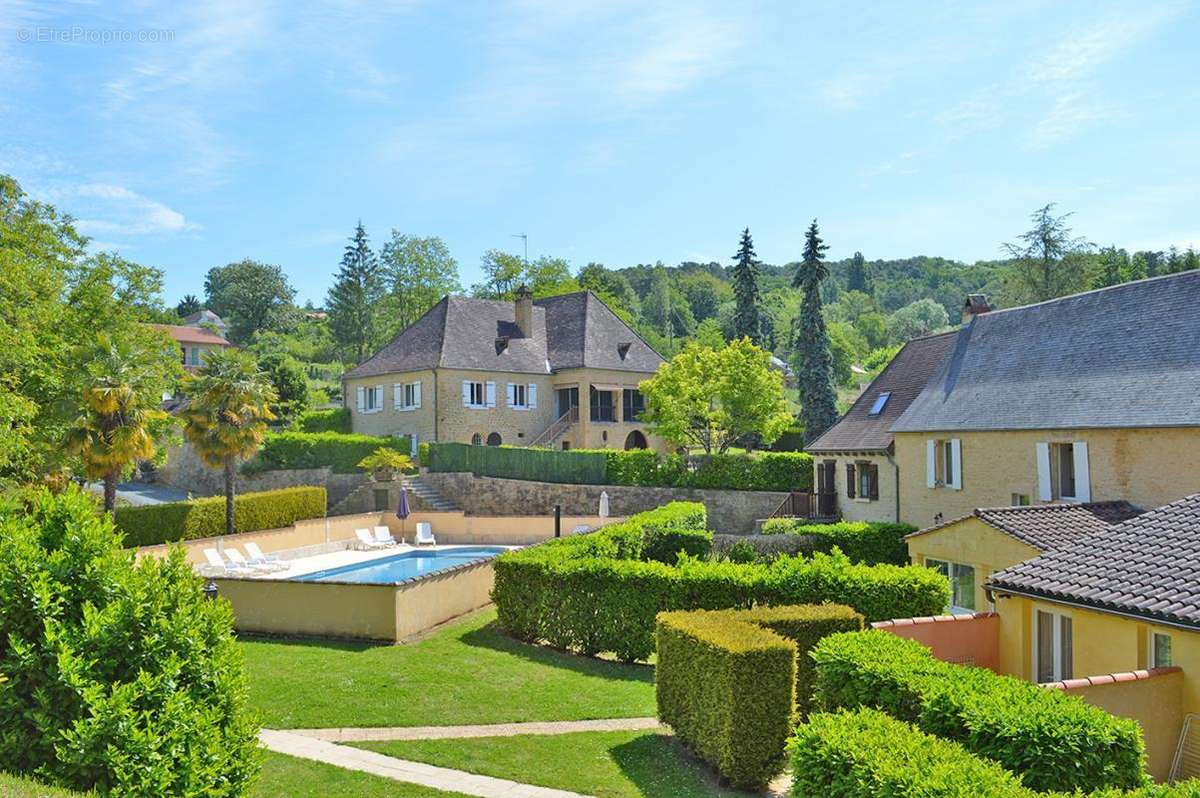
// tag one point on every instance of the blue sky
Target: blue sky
(618, 132)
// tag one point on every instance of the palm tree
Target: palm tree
(227, 413)
(122, 389)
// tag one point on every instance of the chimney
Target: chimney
(976, 305)
(524, 312)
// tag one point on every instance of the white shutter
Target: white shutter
(1083, 482)
(930, 463)
(379, 388)
(397, 396)
(512, 394)
(416, 396)
(491, 394)
(362, 399)
(1043, 466)
(531, 396)
(466, 393)
(956, 470)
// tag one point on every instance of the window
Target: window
(494, 439)
(374, 399)
(1053, 650)
(862, 480)
(193, 356)
(602, 405)
(880, 403)
(1160, 650)
(478, 395)
(633, 404)
(1063, 468)
(962, 583)
(943, 466)
(407, 396)
(476, 439)
(516, 396)
(1020, 500)
(1063, 471)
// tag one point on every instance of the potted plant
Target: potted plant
(385, 462)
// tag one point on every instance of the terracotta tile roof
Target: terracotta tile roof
(1048, 526)
(903, 378)
(1124, 356)
(192, 335)
(1148, 566)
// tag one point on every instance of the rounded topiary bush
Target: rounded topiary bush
(114, 675)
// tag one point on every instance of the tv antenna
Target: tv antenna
(525, 239)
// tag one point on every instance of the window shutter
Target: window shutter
(491, 394)
(930, 463)
(874, 482)
(850, 480)
(466, 393)
(362, 398)
(379, 406)
(1083, 482)
(1043, 467)
(397, 396)
(416, 396)
(512, 394)
(956, 471)
(531, 396)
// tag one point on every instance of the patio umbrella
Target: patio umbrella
(604, 504)
(403, 510)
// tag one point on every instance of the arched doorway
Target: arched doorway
(636, 440)
(476, 439)
(494, 439)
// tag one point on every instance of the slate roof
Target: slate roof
(1048, 526)
(569, 331)
(1124, 356)
(1148, 566)
(903, 377)
(192, 335)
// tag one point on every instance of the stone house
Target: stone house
(559, 372)
(856, 474)
(1089, 397)
(194, 342)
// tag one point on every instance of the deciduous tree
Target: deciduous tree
(250, 296)
(418, 271)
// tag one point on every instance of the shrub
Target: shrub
(728, 681)
(781, 471)
(284, 451)
(595, 593)
(509, 462)
(765, 547)
(861, 541)
(1054, 741)
(792, 440)
(117, 676)
(150, 524)
(333, 420)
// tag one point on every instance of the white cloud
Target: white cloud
(108, 209)
(1072, 113)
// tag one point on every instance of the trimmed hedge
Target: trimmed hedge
(333, 420)
(1054, 741)
(729, 682)
(765, 547)
(284, 451)
(151, 524)
(867, 754)
(594, 593)
(861, 541)
(775, 471)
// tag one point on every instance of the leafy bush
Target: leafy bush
(150, 524)
(765, 547)
(333, 420)
(728, 681)
(594, 593)
(116, 676)
(1054, 741)
(792, 440)
(283, 451)
(861, 541)
(780, 471)
(509, 462)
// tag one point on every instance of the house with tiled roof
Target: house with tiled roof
(855, 472)
(194, 342)
(1089, 397)
(559, 372)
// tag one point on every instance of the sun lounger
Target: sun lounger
(237, 559)
(218, 563)
(384, 535)
(256, 556)
(365, 541)
(425, 534)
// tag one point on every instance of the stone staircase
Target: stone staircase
(423, 495)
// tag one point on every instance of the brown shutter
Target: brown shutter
(850, 480)
(874, 482)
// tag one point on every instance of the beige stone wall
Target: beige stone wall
(588, 434)
(1148, 467)
(858, 508)
(517, 427)
(389, 420)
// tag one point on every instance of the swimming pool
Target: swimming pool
(402, 567)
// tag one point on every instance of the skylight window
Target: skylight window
(880, 403)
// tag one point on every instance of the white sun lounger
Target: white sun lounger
(365, 541)
(425, 534)
(384, 535)
(257, 557)
(216, 561)
(237, 559)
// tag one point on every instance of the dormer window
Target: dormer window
(880, 403)
(623, 348)
(501, 344)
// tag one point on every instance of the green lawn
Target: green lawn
(18, 787)
(635, 764)
(302, 778)
(464, 674)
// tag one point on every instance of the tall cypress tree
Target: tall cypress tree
(856, 274)
(353, 301)
(810, 342)
(746, 321)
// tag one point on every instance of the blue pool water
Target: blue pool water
(400, 567)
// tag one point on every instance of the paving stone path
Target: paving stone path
(355, 735)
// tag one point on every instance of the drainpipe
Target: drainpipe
(435, 405)
(896, 470)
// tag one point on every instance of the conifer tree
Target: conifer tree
(353, 301)
(746, 321)
(812, 359)
(856, 274)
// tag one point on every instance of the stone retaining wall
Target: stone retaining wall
(729, 511)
